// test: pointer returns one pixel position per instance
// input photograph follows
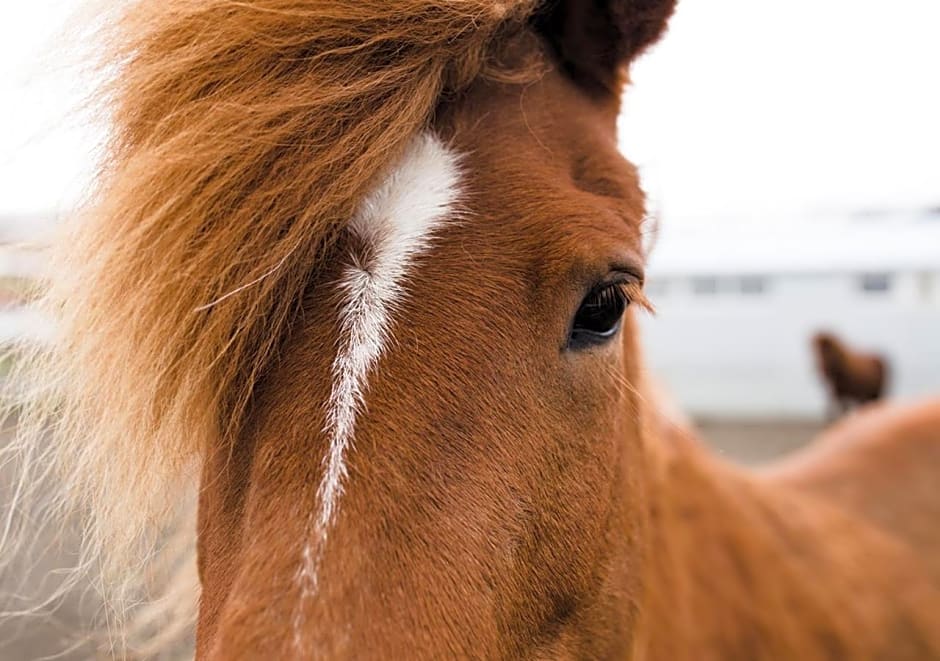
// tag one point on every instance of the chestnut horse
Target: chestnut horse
(367, 272)
(850, 376)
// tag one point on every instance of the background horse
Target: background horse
(852, 377)
(367, 273)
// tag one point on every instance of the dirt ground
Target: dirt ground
(30, 638)
(757, 441)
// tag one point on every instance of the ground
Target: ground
(30, 638)
(757, 441)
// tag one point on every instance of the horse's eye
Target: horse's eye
(599, 317)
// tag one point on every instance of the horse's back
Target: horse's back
(883, 464)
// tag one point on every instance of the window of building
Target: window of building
(875, 283)
(753, 285)
(705, 286)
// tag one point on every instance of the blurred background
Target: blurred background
(791, 154)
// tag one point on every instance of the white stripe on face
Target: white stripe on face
(395, 223)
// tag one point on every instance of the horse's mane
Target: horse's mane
(243, 134)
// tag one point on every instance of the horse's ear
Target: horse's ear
(596, 39)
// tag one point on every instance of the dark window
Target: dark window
(705, 286)
(875, 283)
(753, 285)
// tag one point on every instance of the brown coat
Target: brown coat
(852, 377)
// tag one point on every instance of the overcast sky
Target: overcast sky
(765, 109)
(748, 109)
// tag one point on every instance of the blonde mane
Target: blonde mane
(243, 135)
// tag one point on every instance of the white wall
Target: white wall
(730, 354)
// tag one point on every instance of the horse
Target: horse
(362, 279)
(852, 377)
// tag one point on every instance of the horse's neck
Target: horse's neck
(744, 569)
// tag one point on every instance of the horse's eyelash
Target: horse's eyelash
(635, 295)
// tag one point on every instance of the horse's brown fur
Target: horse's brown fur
(881, 463)
(852, 377)
(244, 134)
(770, 567)
(507, 497)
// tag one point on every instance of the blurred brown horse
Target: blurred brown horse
(852, 377)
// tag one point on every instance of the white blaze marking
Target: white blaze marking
(395, 223)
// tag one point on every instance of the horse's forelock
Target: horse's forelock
(243, 137)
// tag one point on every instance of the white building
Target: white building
(736, 310)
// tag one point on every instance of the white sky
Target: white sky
(43, 150)
(749, 109)
(761, 109)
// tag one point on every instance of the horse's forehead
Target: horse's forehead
(544, 181)
(509, 163)
(546, 152)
